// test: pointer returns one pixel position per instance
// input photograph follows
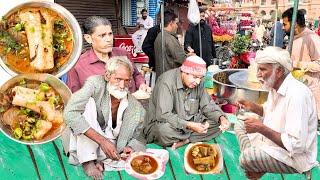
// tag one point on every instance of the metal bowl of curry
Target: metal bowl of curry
(31, 107)
(39, 37)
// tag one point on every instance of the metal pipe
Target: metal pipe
(293, 24)
(162, 36)
(200, 40)
(275, 26)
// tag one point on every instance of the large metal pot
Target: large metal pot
(225, 89)
(73, 24)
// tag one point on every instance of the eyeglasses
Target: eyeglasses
(196, 77)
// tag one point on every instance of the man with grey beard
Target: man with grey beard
(104, 119)
(282, 136)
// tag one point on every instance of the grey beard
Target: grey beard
(115, 92)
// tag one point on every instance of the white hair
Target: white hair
(113, 64)
(278, 65)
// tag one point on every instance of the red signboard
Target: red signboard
(126, 43)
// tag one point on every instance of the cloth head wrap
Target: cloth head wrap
(271, 55)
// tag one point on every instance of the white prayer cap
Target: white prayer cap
(272, 55)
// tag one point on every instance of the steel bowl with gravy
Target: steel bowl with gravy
(31, 107)
(39, 37)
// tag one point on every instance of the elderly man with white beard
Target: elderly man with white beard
(283, 138)
(104, 119)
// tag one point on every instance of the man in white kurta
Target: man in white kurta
(259, 30)
(144, 23)
(285, 136)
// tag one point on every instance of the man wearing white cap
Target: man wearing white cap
(180, 110)
(286, 131)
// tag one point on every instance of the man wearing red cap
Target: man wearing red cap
(180, 110)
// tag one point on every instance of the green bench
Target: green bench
(47, 161)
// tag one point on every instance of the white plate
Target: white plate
(155, 175)
(216, 170)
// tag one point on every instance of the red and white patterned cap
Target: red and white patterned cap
(194, 65)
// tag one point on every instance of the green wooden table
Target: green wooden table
(48, 161)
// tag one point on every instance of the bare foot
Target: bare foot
(93, 170)
(254, 175)
(99, 165)
(176, 145)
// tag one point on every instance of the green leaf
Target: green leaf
(43, 35)
(22, 82)
(17, 133)
(9, 42)
(44, 87)
(32, 29)
(52, 100)
(69, 39)
(39, 97)
(240, 44)
(38, 124)
(19, 27)
(58, 23)
(3, 18)
(24, 111)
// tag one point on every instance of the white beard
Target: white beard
(269, 82)
(117, 92)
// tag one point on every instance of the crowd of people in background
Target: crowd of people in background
(107, 122)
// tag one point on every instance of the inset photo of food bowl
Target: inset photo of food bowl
(31, 107)
(39, 37)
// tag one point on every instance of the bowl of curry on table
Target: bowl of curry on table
(39, 37)
(145, 165)
(203, 158)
